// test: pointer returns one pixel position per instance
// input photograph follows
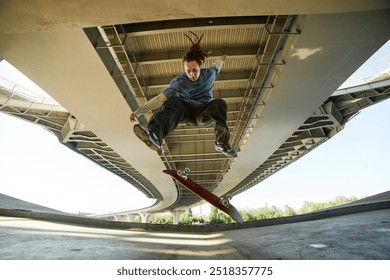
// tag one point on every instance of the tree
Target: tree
(217, 217)
(260, 213)
(289, 211)
(158, 219)
(186, 218)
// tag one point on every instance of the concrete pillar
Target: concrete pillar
(176, 216)
(130, 217)
(145, 217)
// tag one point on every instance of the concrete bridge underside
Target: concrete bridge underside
(101, 62)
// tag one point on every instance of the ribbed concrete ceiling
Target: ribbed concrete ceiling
(284, 61)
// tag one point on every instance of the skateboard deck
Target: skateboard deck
(206, 195)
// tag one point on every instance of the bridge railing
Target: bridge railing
(369, 72)
(24, 93)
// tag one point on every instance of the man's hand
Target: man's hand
(133, 117)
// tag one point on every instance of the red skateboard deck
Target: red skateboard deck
(206, 195)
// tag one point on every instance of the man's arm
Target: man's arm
(219, 62)
(152, 104)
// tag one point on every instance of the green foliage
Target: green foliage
(289, 211)
(272, 212)
(137, 219)
(261, 213)
(315, 206)
(185, 218)
(188, 219)
(198, 220)
(159, 219)
(217, 217)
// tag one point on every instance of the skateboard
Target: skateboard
(222, 204)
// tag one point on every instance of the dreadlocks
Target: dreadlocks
(196, 52)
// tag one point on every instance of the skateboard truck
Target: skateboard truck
(225, 200)
(184, 174)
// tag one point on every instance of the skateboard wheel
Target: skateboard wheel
(225, 202)
(182, 174)
(229, 197)
(187, 170)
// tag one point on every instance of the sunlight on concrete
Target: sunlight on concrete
(190, 253)
(134, 242)
(304, 53)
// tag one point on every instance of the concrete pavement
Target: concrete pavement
(328, 235)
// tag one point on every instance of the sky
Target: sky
(35, 167)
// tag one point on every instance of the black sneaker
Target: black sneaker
(226, 149)
(147, 136)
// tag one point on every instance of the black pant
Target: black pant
(176, 110)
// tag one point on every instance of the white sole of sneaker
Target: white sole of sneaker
(144, 137)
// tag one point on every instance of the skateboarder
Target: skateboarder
(188, 99)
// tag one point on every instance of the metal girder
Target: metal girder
(73, 134)
(163, 82)
(241, 82)
(177, 55)
(329, 119)
(159, 27)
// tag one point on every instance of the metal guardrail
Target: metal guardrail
(26, 94)
(369, 72)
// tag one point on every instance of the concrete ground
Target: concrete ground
(363, 235)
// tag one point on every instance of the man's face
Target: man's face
(192, 70)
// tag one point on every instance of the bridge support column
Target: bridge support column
(130, 217)
(145, 217)
(176, 216)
